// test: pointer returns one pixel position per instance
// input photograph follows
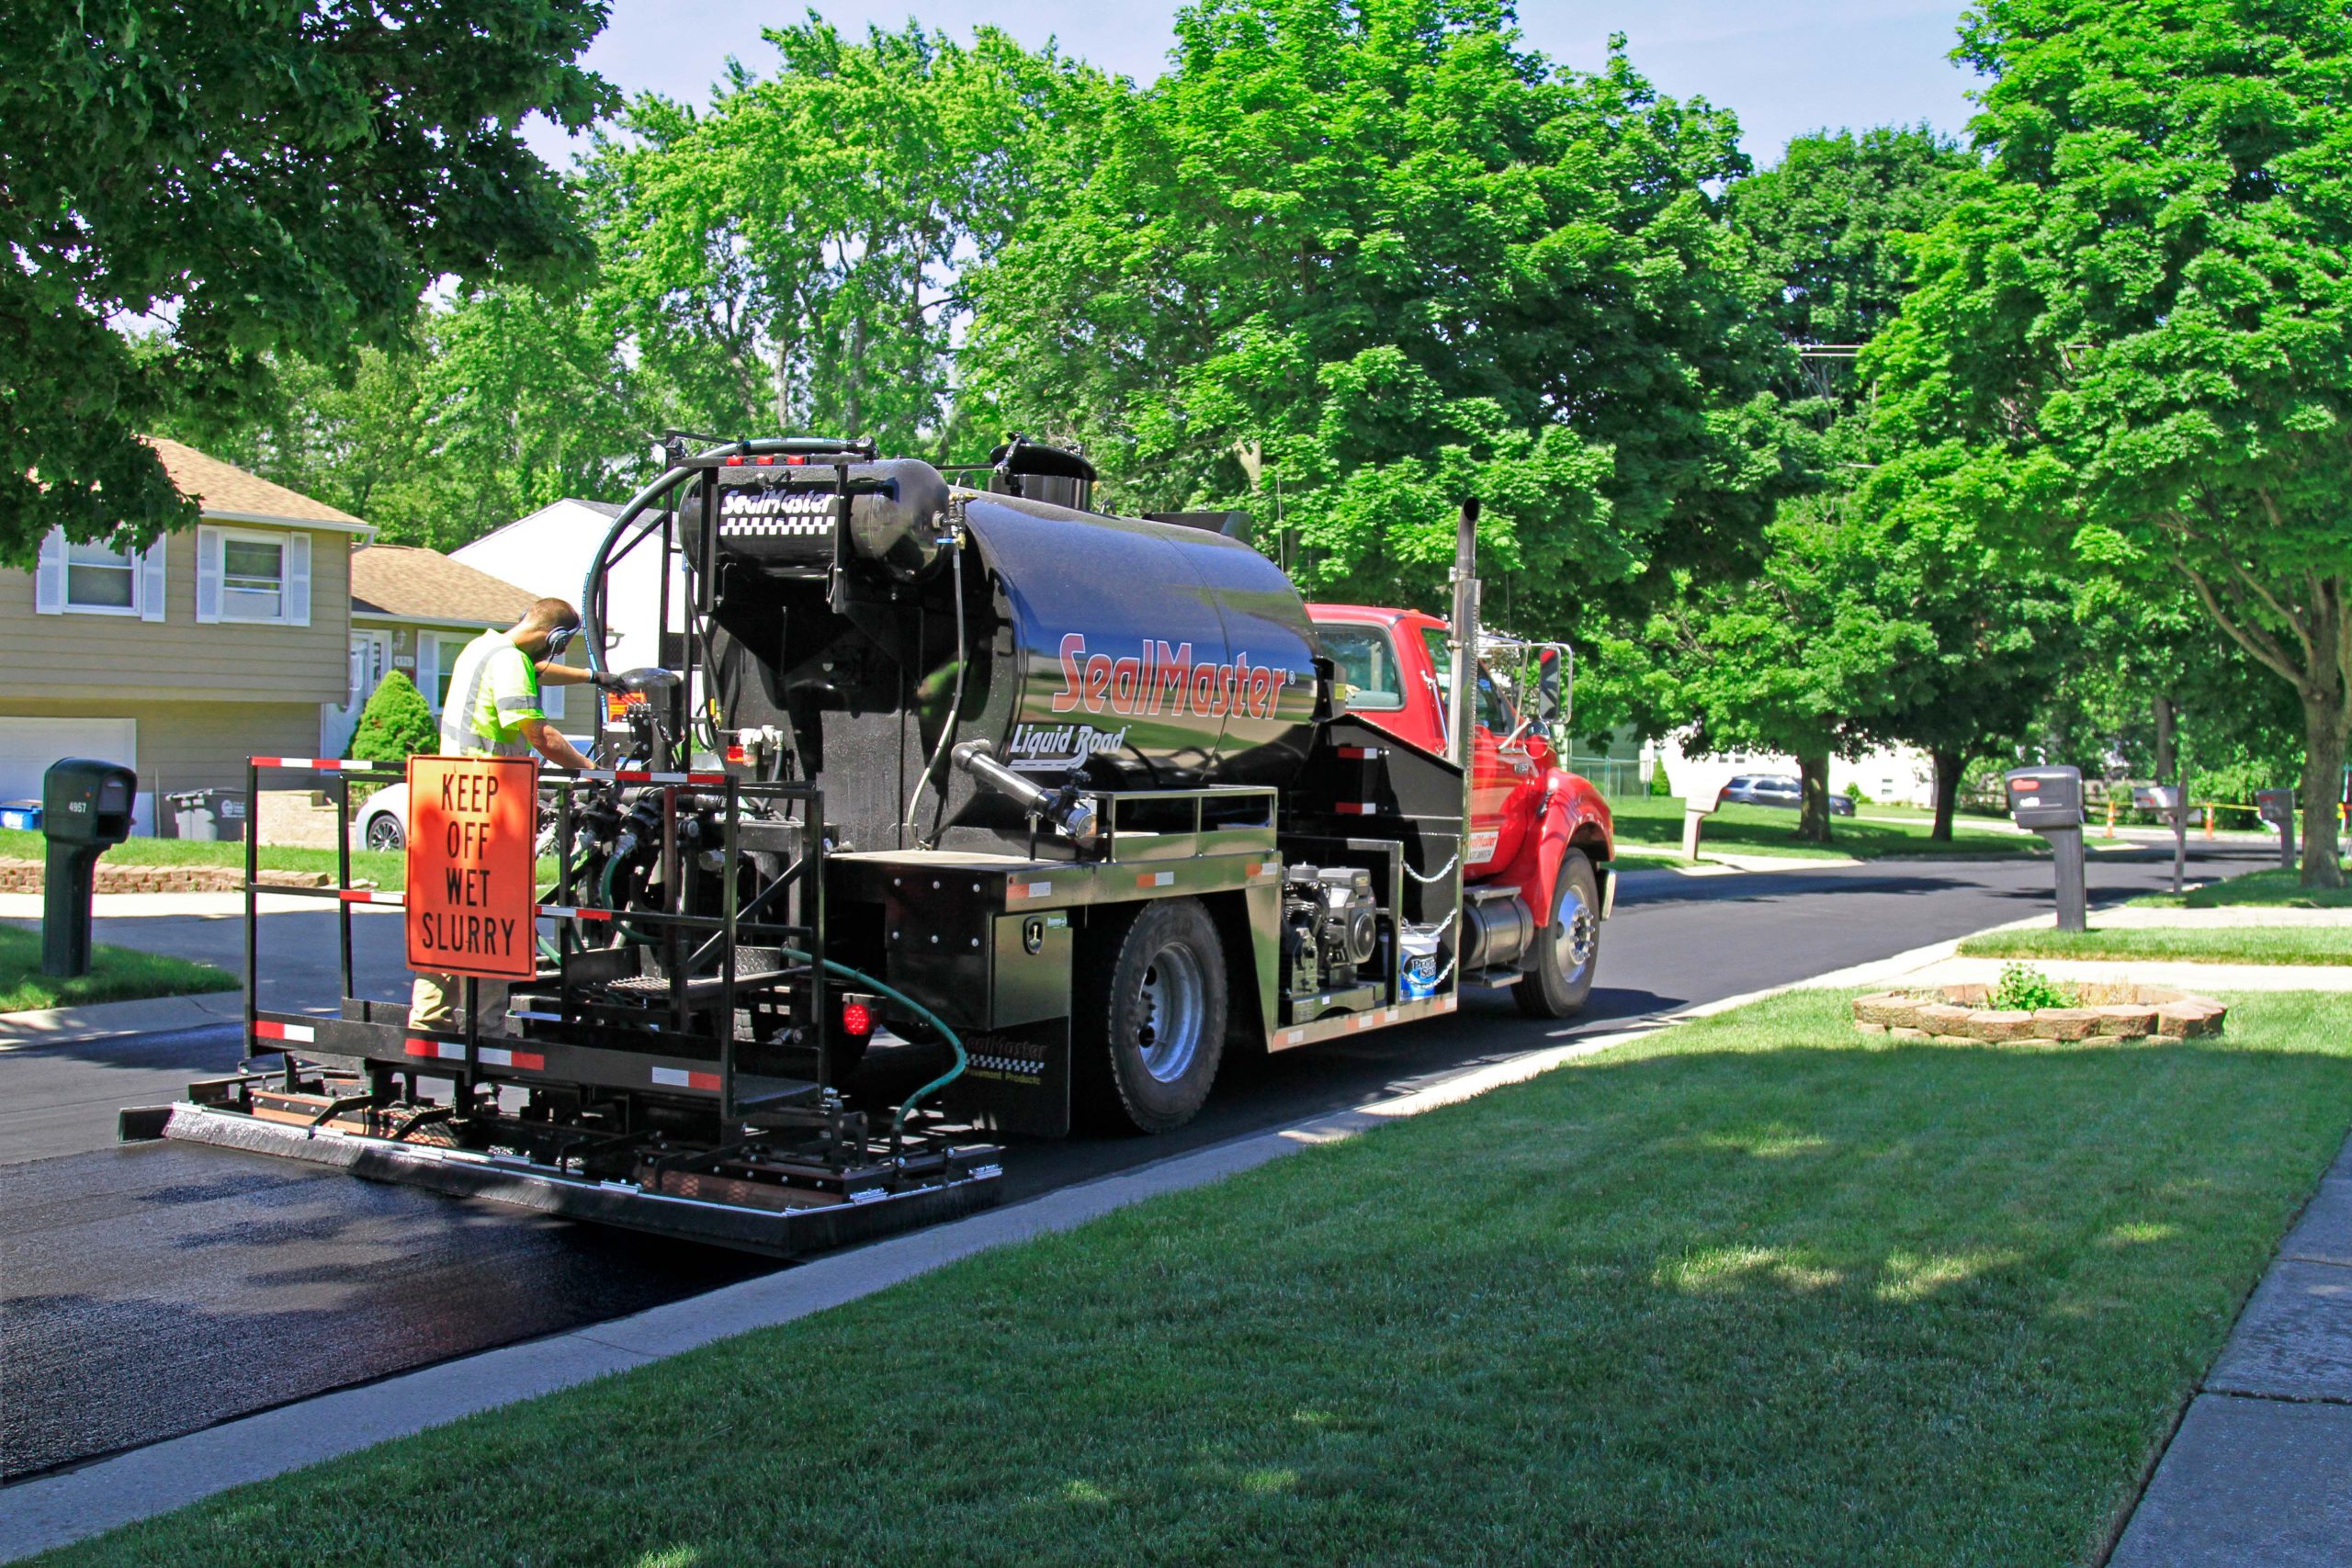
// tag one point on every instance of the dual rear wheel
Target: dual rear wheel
(1150, 1007)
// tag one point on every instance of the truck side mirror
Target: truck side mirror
(1548, 708)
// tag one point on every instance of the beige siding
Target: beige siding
(193, 745)
(109, 656)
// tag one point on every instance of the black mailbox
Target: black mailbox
(2274, 805)
(2046, 798)
(85, 810)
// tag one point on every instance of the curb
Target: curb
(55, 1511)
(104, 1021)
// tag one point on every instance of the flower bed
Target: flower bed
(1963, 1015)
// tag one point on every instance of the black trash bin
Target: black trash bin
(208, 815)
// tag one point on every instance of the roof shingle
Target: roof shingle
(225, 488)
(409, 583)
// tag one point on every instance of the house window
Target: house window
(450, 648)
(253, 579)
(259, 577)
(97, 578)
(101, 579)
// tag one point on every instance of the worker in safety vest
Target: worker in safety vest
(492, 710)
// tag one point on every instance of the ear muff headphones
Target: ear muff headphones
(560, 638)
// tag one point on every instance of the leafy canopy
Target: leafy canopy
(1379, 256)
(265, 176)
(2139, 319)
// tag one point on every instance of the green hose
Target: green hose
(912, 1005)
(605, 899)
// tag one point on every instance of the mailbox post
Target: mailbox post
(2165, 801)
(85, 810)
(2277, 805)
(2049, 801)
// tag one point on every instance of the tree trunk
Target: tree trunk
(1812, 819)
(2163, 739)
(2324, 745)
(1950, 765)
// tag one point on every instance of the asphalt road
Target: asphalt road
(151, 1289)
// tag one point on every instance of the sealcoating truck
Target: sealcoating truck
(1085, 804)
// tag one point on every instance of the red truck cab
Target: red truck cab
(1535, 826)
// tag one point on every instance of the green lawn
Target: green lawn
(1754, 1289)
(117, 975)
(2241, 944)
(2275, 887)
(1649, 830)
(389, 871)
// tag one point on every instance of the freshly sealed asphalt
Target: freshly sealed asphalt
(153, 1289)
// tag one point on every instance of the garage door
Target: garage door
(28, 746)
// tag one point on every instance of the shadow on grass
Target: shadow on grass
(1747, 1292)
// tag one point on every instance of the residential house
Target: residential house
(413, 610)
(548, 553)
(214, 644)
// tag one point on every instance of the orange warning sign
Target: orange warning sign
(472, 906)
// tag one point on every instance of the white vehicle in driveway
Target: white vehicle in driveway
(383, 819)
(382, 822)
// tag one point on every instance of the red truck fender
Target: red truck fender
(1573, 815)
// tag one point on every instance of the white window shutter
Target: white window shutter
(428, 669)
(207, 574)
(298, 580)
(48, 576)
(151, 582)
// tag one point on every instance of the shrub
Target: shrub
(1854, 792)
(2022, 989)
(1660, 785)
(394, 723)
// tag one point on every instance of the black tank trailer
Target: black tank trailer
(1079, 773)
(1061, 793)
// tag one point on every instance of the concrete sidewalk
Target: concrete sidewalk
(2260, 1470)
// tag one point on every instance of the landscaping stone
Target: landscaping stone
(1886, 1009)
(1999, 1024)
(1944, 1018)
(2066, 1023)
(25, 876)
(2189, 1019)
(1957, 1015)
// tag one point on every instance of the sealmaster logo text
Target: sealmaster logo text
(1164, 679)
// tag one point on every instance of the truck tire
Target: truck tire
(1568, 950)
(1148, 1024)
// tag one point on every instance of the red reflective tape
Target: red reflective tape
(270, 1029)
(703, 1080)
(498, 1056)
(592, 914)
(631, 775)
(1353, 808)
(1157, 879)
(705, 778)
(416, 1047)
(1361, 753)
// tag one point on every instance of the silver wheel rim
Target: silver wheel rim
(1579, 932)
(1171, 1002)
(382, 834)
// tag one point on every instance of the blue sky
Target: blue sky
(1785, 66)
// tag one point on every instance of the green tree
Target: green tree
(1873, 618)
(791, 257)
(1347, 262)
(2139, 312)
(266, 177)
(395, 724)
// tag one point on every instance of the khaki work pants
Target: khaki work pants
(438, 1003)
